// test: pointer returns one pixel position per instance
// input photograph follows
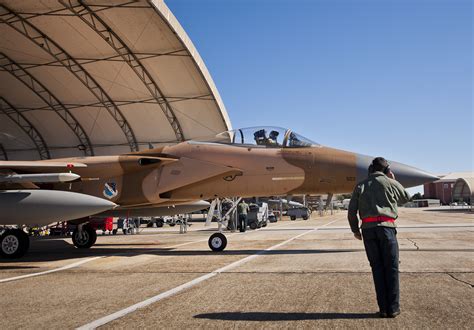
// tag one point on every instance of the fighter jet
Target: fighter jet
(252, 162)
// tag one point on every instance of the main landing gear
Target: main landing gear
(14, 243)
(84, 236)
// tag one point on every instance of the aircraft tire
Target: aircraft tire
(94, 235)
(88, 238)
(14, 243)
(217, 242)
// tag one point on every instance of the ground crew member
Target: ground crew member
(243, 209)
(376, 199)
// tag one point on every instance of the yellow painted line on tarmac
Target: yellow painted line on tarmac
(121, 313)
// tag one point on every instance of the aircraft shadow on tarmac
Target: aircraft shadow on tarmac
(279, 316)
(17, 267)
(55, 250)
(61, 250)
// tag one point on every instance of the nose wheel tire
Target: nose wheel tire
(14, 243)
(85, 238)
(217, 242)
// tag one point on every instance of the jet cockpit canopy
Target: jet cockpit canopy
(269, 137)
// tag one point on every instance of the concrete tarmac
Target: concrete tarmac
(290, 274)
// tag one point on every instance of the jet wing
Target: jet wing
(190, 171)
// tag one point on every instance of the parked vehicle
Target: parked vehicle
(104, 224)
(257, 216)
(298, 212)
(273, 216)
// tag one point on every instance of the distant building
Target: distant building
(463, 190)
(443, 189)
(425, 203)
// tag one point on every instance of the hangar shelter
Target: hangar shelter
(81, 78)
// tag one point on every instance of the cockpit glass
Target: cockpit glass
(267, 137)
(298, 141)
(263, 136)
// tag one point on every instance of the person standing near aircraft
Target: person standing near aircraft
(376, 199)
(243, 209)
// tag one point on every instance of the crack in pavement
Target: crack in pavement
(414, 243)
(459, 280)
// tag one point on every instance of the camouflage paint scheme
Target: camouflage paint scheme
(193, 170)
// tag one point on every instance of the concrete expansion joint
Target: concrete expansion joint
(414, 243)
(459, 280)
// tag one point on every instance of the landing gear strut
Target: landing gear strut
(217, 242)
(84, 236)
(14, 243)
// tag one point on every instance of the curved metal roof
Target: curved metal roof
(464, 189)
(99, 78)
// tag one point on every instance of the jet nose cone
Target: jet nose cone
(408, 176)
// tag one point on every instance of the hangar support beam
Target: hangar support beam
(88, 16)
(3, 153)
(26, 126)
(31, 32)
(44, 94)
(112, 58)
(207, 97)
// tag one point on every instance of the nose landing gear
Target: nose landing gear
(217, 242)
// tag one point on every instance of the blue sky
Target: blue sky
(389, 78)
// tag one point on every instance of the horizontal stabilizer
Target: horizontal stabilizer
(157, 210)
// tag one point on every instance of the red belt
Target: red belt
(380, 218)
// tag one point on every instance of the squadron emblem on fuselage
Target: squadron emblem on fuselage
(110, 190)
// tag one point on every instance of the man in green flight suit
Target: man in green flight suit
(376, 199)
(243, 209)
